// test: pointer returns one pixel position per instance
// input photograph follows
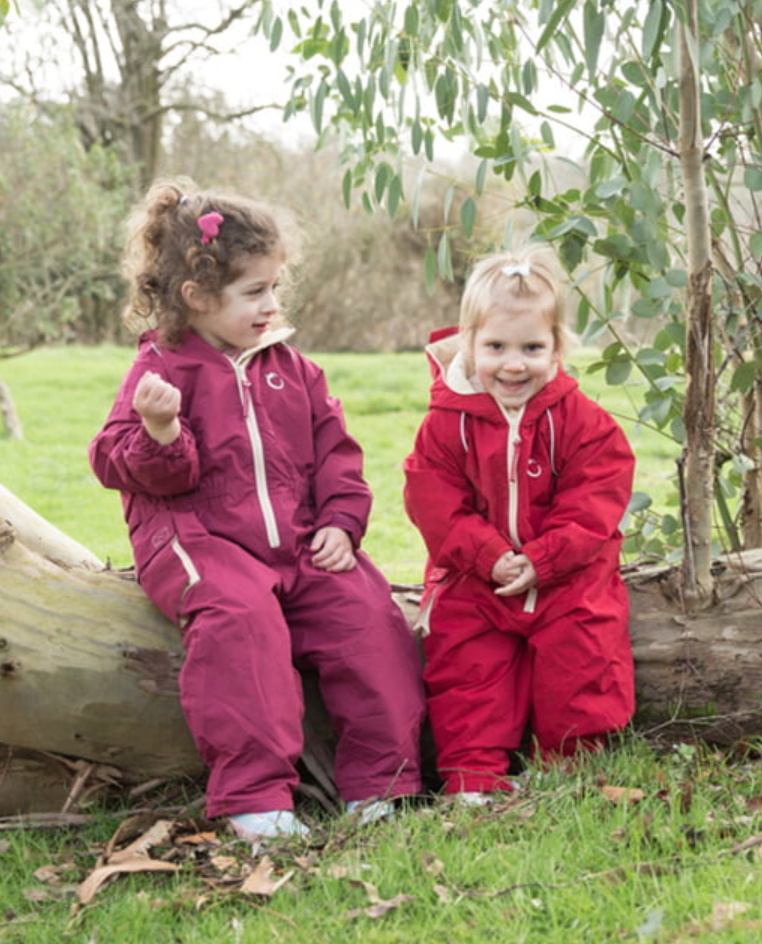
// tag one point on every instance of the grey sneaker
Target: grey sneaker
(469, 798)
(369, 811)
(269, 825)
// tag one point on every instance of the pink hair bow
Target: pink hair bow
(209, 224)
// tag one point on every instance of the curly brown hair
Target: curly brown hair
(164, 249)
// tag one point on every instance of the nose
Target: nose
(270, 302)
(513, 361)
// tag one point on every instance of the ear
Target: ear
(194, 296)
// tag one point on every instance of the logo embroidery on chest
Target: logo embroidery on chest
(534, 469)
(274, 381)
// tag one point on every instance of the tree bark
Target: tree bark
(88, 669)
(698, 413)
(698, 672)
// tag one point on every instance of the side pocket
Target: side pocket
(435, 580)
(167, 578)
(185, 560)
(193, 577)
(422, 625)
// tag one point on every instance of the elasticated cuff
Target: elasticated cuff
(488, 556)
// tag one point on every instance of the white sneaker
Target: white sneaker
(371, 810)
(269, 825)
(468, 798)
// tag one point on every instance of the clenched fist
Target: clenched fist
(158, 403)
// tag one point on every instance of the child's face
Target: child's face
(244, 310)
(514, 353)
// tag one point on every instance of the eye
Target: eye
(261, 289)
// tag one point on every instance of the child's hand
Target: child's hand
(158, 403)
(515, 573)
(503, 569)
(332, 550)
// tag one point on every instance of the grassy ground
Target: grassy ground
(64, 394)
(631, 846)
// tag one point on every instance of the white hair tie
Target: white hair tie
(510, 270)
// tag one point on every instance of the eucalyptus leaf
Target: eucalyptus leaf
(752, 178)
(430, 269)
(653, 28)
(618, 371)
(744, 377)
(468, 216)
(594, 22)
(639, 501)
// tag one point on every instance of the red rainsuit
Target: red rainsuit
(552, 480)
(220, 522)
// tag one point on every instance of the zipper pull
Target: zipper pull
(244, 389)
(513, 471)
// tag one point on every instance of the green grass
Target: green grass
(63, 395)
(559, 863)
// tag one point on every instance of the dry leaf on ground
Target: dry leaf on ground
(622, 794)
(261, 882)
(87, 890)
(380, 908)
(134, 858)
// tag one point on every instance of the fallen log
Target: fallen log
(699, 674)
(69, 682)
(88, 667)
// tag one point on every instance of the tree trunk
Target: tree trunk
(698, 414)
(88, 670)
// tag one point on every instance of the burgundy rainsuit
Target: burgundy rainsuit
(552, 481)
(220, 522)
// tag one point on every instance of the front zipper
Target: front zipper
(512, 462)
(258, 454)
(514, 441)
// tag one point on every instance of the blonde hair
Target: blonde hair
(166, 247)
(532, 273)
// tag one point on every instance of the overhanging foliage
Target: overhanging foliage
(505, 81)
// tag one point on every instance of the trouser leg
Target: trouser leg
(240, 692)
(583, 681)
(477, 682)
(350, 630)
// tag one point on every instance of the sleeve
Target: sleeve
(342, 496)
(123, 456)
(442, 503)
(593, 489)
